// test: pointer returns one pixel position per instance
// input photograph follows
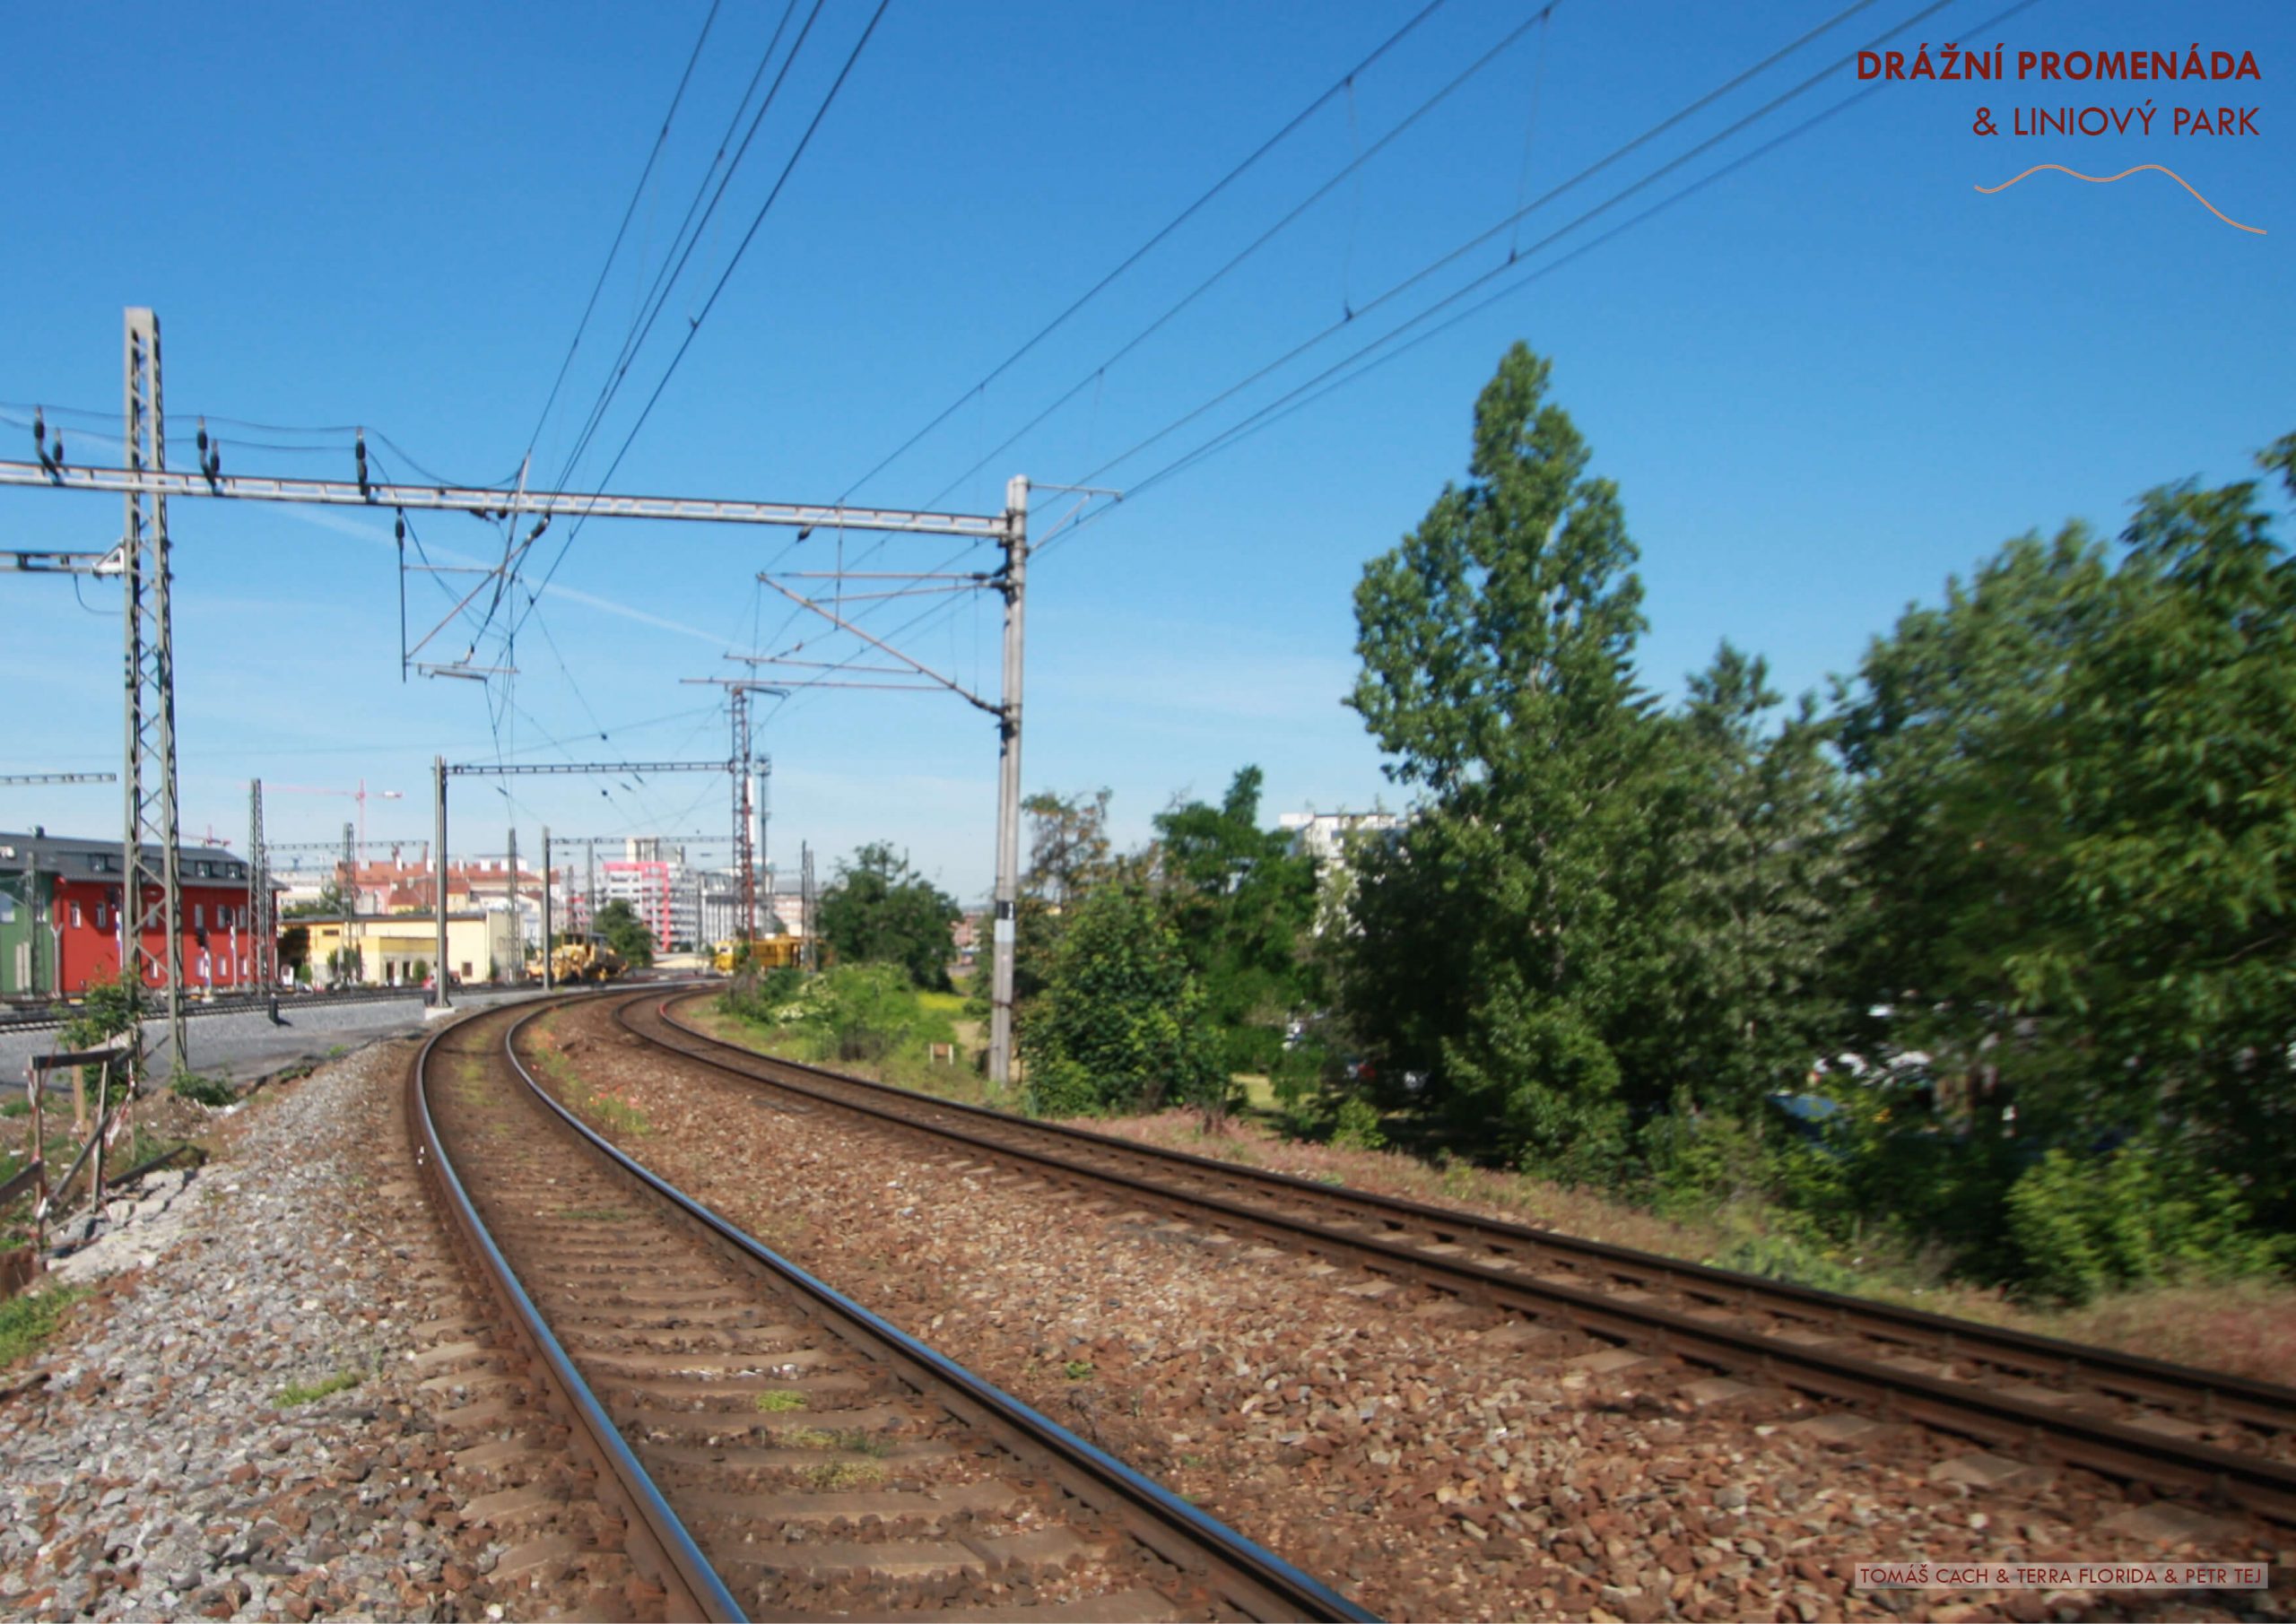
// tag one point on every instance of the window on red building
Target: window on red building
(75, 915)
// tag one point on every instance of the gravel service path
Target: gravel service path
(175, 1453)
(1439, 1460)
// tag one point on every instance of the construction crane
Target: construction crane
(358, 794)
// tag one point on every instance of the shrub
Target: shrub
(1121, 1008)
(204, 1091)
(1253, 1048)
(853, 1012)
(2140, 1215)
(1357, 1127)
(1061, 1087)
(1783, 1257)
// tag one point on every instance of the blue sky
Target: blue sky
(1823, 382)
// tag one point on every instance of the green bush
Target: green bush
(854, 1012)
(1121, 1006)
(1061, 1087)
(1358, 1125)
(204, 1091)
(1783, 1257)
(1253, 1048)
(2142, 1214)
(1697, 1162)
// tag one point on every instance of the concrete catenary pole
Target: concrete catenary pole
(515, 970)
(439, 875)
(1008, 783)
(546, 907)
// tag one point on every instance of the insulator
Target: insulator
(203, 439)
(401, 528)
(56, 451)
(40, 428)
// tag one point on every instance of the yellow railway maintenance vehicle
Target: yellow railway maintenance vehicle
(767, 953)
(573, 962)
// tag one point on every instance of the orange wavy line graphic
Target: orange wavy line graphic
(2125, 174)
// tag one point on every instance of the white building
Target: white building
(1326, 836)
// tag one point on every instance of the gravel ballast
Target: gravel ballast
(1438, 1459)
(175, 1452)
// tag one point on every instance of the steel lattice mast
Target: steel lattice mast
(259, 899)
(151, 881)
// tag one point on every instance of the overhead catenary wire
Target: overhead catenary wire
(1453, 255)
(621, 231)
(514, 552)
(694, 327)
(1354, 166)
(1140, 253)
(1613, 157)
(177, 420)
(682, 245)
(1327, 382)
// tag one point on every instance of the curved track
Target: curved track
(2220, 1436)
(776, 1449)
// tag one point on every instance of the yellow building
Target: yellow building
(397, 950)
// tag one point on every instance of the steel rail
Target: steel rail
(2114, 1448)
(2266, 1403)
(1263, 1584)
(676, 1558)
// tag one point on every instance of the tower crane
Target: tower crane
(358, 794)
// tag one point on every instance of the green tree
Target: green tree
(2079, 829)
(295, 947)
(1497, 644)
(1121, 1024)
(879, 911)
(329, 903)
(1068, 846)
(1759, 897)
(1069, 853)
(107, 1009)
(619, 926)
(1243, 903)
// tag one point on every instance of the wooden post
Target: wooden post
(96, 1162)
(37, 1081)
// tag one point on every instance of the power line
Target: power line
(1218, 186)
(1451, 258)
(693, 327)
(1354, 166)
(674, 266)
(1325, 382)
(176, 420)
(657, 296)
(622, 230)
(1398, 288)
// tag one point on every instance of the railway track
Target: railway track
(775, 1449)
(2029, 1400)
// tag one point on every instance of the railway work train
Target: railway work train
(767, 953)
